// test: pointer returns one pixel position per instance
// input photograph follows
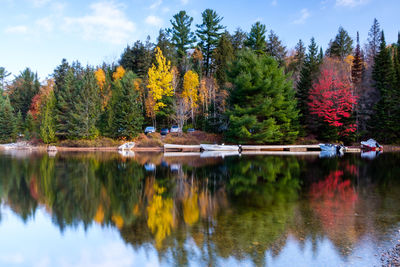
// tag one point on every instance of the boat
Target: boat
(127, 146)
(331, 147)
(206, 147)
(371, 145)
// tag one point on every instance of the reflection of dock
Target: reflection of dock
(291, 148)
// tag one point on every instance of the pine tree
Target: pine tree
(138, 57)
(222, 55)
(275, 49)
(166, 46)
(341, 46)
(7, 121)
(86, 108)
(374, 38)
(25, 86)
(386, 121)
(262, 103)
(238, 39)
(66, 91)
(19, 123)
(297, 62)
(357, 67)
(256, 38)
(3, 75)
(209, 32)
(127, 116)
(308, 73)
(182, 36)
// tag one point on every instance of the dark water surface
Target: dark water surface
(102, 209)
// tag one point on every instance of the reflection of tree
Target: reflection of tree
(160, 215)
(333, 200)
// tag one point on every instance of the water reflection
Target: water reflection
(205, 210)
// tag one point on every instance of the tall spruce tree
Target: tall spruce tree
(275, 49)
(7, 120)
(209, 32)
(223, 55)
(67, 84)
(25, 86)
(3, 75)
(86, 107)
(127, 117)
(138, 58)
(182, 35)
(166, 46)
(386, 122)
(262, 102)
(357, 67)
(373, 42)
(238, 39)
(256, 38)
(308, 73)
(341, 46)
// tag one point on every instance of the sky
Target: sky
(39, 33)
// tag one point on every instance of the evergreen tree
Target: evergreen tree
(138, 57)
(256, 37)
(19, 123)
(386, 122)
(3, 75)
(47, 122)
(127, 117)
(182, 36)
(357, 67)
(374, 38)
(308, 73)
(166, 46)
(223, 55)
(25, 86)
(238, 39)
(209, 32)
(7, 120)
(66, 89)
(275, 49)
(86, 108)
(262, 103)
(341, 46)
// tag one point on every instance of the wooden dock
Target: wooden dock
(292, 148)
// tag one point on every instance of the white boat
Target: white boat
(205, 147)
(127, 146)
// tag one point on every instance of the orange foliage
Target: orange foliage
(119, 73)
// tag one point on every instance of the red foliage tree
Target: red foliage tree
(331, 99)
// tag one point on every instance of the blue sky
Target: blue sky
(39, 33)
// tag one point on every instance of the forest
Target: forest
(246, 86)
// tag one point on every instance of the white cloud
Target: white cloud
(156, 4)
(350, 3)
(274, 2)
(106, 22)
(304, 15)
(184, 2)
(16, 29)
(45, 24)
(154, 21)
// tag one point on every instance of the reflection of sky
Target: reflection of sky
(40, 243)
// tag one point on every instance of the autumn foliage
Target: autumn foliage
(331, 99)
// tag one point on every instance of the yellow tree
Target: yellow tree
(104, 87)
(160, 80)
(190, 90)
(119, 73)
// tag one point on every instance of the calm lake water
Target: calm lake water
(103, 209)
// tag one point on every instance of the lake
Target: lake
(104, 209)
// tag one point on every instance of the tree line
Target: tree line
(245, 85)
